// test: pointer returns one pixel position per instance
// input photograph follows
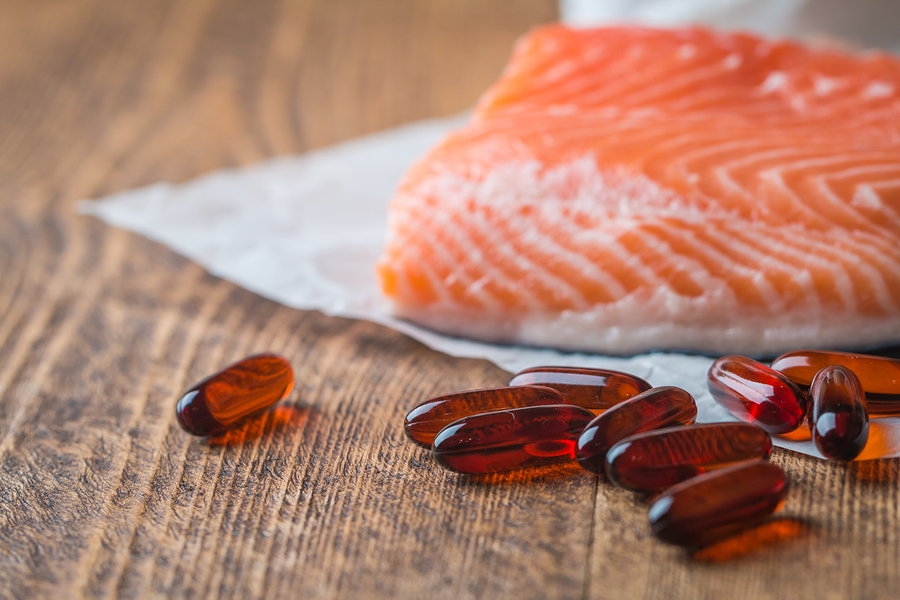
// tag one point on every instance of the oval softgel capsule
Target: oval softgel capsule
(757, 394)
(237, 392)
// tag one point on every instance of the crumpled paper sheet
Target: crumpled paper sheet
(306, 230)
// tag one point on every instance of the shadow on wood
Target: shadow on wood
(527, 476)
(770, 534)
(274, 422)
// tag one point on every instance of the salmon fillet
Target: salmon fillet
(628, 189)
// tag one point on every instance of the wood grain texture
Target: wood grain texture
(102, 495)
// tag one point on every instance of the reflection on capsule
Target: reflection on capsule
(653, 409)
(718, 504)
(838, 419)
(754, 393)
(235, 393)
(656, 460)
(593, 389)
(511, 439)
(425, 420)
(879, 377)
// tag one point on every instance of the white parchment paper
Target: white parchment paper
(306, 230)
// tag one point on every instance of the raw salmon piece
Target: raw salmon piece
(628, 189)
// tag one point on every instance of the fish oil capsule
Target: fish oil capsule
(656, 460)
(242, 390)
(879, 377)
(718, 504)
(593, 389)
(838, 419)
(428, 418)
(653, 409)
(754, 393)
(511, 439)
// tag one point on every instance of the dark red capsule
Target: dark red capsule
(879, 376)
(511, 439)
(425, 420)
(653, 409)
(653, 461)
(593, 389)
(718, 504)
(838, 419)
(754, 393)
(242, 390)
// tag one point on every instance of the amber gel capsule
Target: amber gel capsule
(754, 393)
(425, 420)
(718, 504)
(653, 461)
(593, 389)
(511, 439)
(879, 377)
(838, 419)
(242, 390)
(653, 409)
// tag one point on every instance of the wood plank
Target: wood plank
(102, 495)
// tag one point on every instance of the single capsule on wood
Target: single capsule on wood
(593, 389)
(838, 419)
(879, 377)
(655, 460)
(754, 393)
(718, 504)
(242, 390)
(653, 409)
(511, 439)
(428, 418)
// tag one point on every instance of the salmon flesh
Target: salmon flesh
(630, 189)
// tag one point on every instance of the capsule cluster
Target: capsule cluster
(833, 391)
(711, 480)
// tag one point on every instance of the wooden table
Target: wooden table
(101, 494)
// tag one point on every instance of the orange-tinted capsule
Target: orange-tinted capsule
(593, 389)
(511, 439)
(838, 419)
(425, 420)
(718, 504)
(880, 377)
(653, 409)
(653, 461)
(242, 390)
(754, 393)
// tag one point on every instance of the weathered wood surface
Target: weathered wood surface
(102, 495)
